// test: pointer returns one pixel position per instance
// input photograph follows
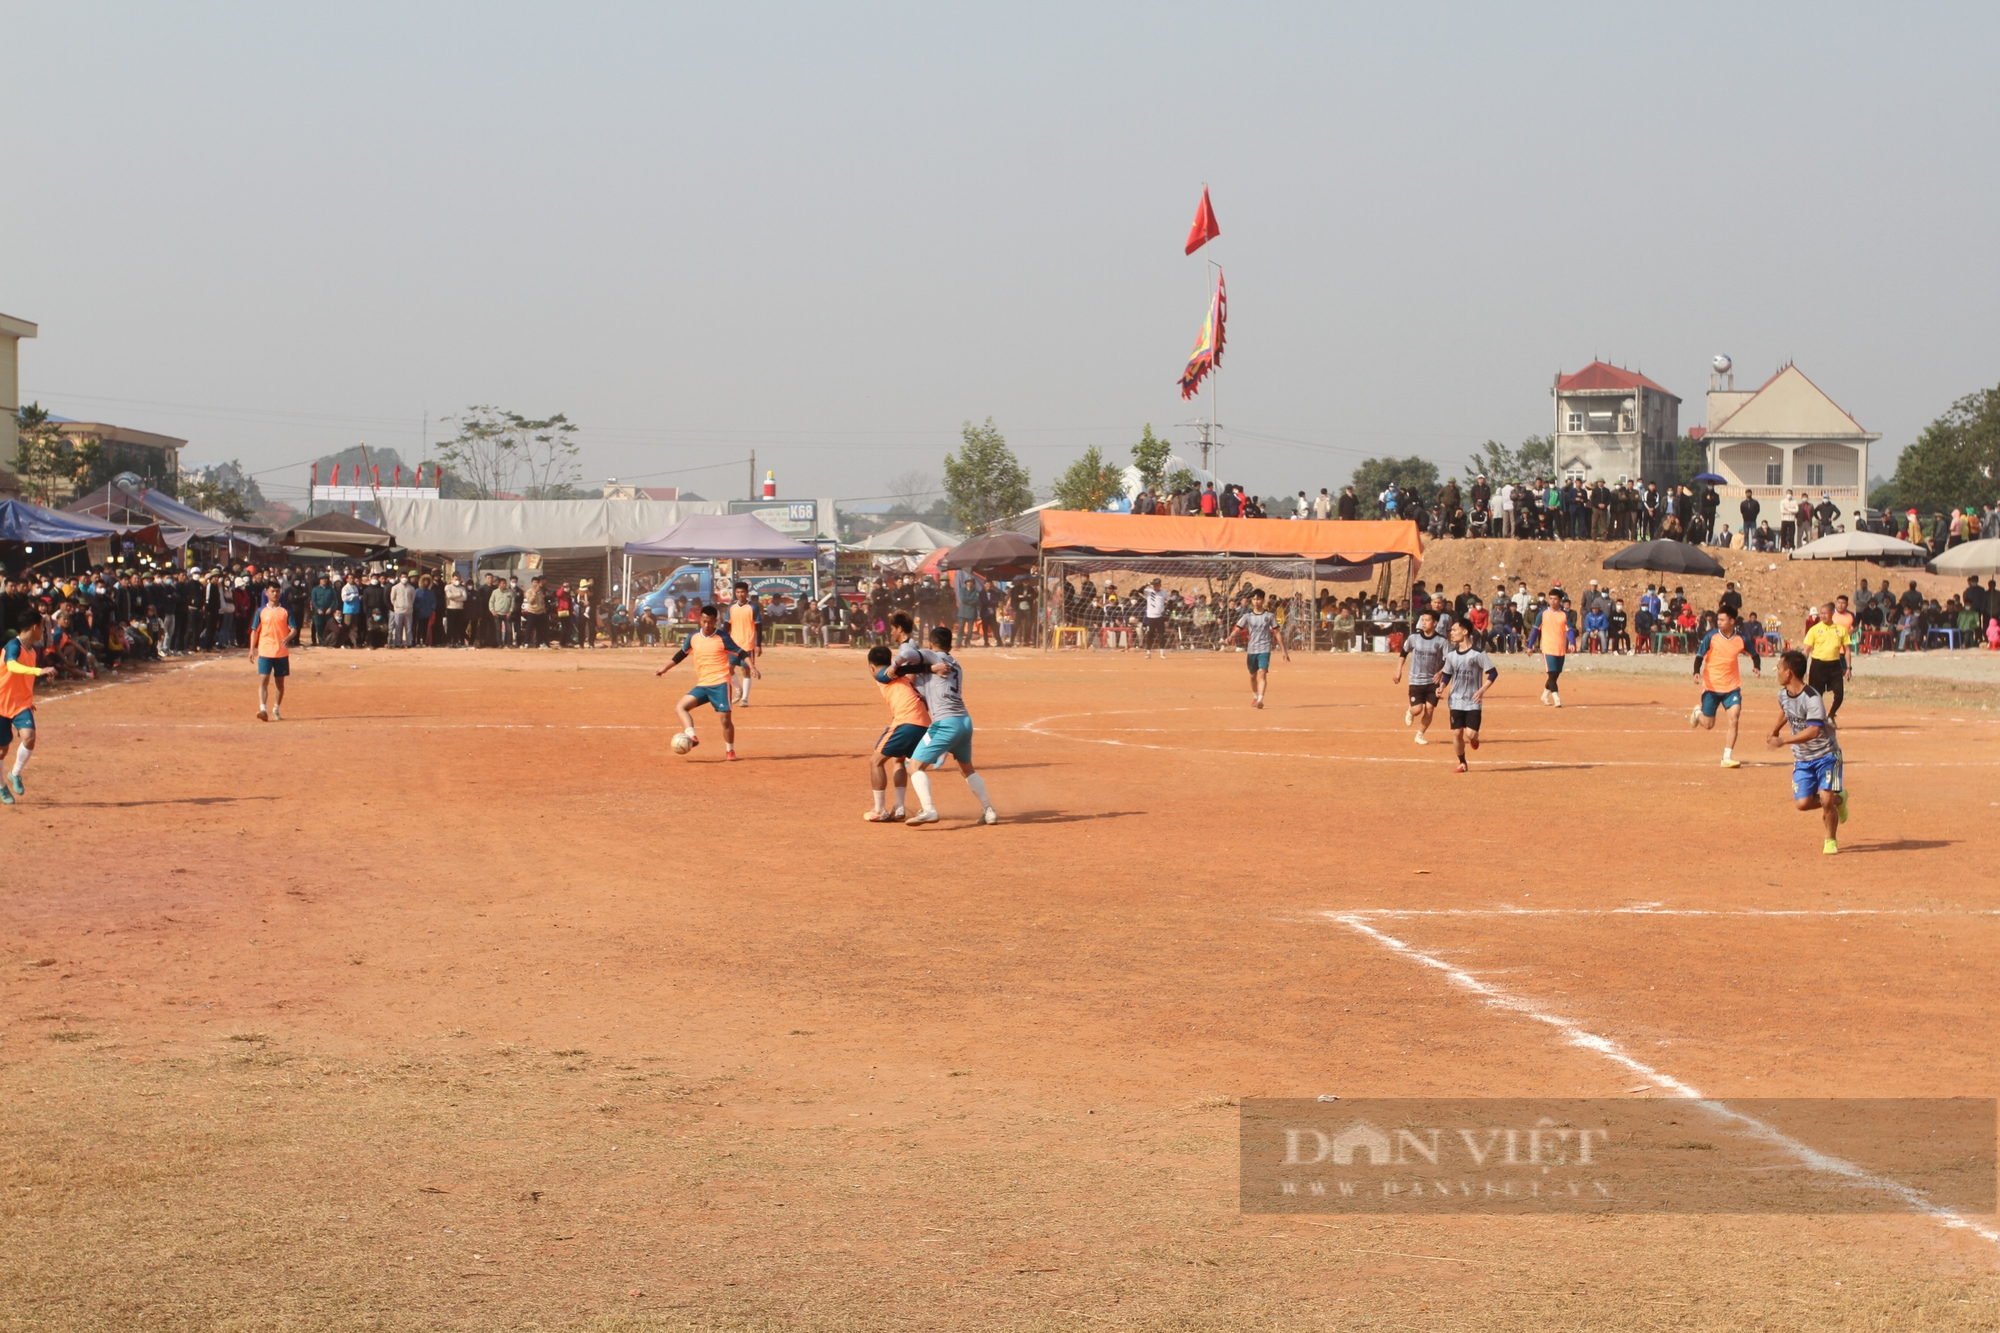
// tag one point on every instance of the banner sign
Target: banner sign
(797, 519)
(367, 494)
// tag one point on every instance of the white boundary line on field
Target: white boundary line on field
(1038, 728)
(127, 680)
(1576, 1035)
(1653, 909)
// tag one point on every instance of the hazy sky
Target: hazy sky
(833, 233)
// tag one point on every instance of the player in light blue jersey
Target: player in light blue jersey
(941, 681)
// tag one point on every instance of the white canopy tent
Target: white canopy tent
(559, 529)
(909, 539)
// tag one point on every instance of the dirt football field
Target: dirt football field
(456, 1001)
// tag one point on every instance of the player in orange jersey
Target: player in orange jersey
(22, 662)
(715, 655)
(746, 626)
(909, 719)
(1553, 636)
(1721, 676)
(268, 653)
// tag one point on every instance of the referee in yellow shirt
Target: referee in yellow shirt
(1827, 667)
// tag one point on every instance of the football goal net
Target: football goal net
(1093, 602)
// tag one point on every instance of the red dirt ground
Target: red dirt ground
(454, 1000)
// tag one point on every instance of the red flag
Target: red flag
(1205, 228)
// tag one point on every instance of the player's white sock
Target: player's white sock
(1726, 750)
(746, 689)
(978, 785)
(21, 754)
(878, 795)
(920, 783)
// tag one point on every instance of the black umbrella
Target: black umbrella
(1667, 557)
(999, 555)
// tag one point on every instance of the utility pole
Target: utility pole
(753, 476)
(1208, 435)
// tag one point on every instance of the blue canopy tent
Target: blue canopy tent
(23, 521)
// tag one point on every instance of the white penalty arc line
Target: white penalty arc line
(1577, 1035)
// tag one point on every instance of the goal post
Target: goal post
(1092, 602)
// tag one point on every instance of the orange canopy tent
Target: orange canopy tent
(1327, 541)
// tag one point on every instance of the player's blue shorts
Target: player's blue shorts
(715, 696)
(947, 736)
(900, 741)
(1814, 775)
(1711, 701)
(1555, 662)
(1259, 662)
(21, 721)
(280, 667)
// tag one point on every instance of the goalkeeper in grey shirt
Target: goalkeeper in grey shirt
(1467, 674)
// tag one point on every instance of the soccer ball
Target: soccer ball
(682, 742)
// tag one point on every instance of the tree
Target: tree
(1497, 463)
(53, 467)
(1690, 461)
(493, 447)
(1089, 482)
(1373, 476)
(226, 477)
(1149, 455)
(1956, 461)
(914, 491)
(1182, 480)
(220, 489)
(549, 452)
(983, 481)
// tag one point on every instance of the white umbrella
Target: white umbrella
(1858, 546)
(1980, 557)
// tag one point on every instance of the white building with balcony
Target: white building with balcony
(1612, 423)
(1787, 434)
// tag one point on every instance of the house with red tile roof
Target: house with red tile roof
(1612, 422)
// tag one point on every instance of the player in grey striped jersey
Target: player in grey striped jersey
(1423, 653)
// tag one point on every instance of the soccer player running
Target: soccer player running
(1816, 768)
(1423, 651)
(17, 704)
(1553, 637)
(1721, 677)
(1827, 669)
(1467, 673)
(909, 719)
(1156, 619)
(746, 626)
(941, 682)
(1260, 627)
(269, 634)
(716, 655)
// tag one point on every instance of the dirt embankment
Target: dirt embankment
(1772, 585)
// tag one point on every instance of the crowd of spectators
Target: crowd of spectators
(1659, 618)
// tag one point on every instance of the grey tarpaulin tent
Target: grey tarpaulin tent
(721, 537)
